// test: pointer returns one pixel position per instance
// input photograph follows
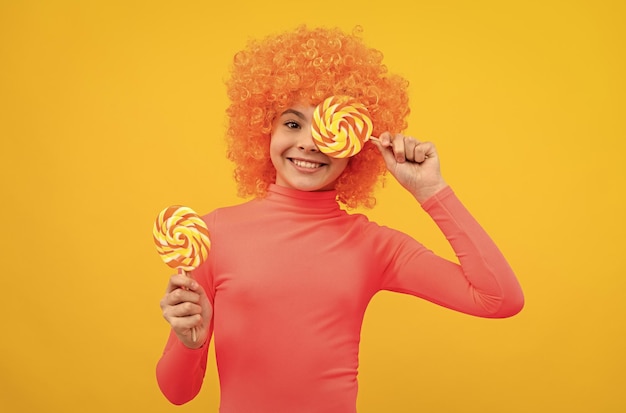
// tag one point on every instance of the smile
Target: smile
(305, 164)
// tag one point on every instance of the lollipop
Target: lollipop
(182, 239)
(341, 126)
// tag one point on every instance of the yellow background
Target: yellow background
(112, 110)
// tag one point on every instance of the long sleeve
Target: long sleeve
(483, 284)
(180, 370)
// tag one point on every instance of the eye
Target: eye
(292, 124)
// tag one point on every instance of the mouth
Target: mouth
(301, 163)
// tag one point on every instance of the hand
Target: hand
(413, 163)
(186, 306)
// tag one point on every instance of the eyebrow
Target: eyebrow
(295, 112)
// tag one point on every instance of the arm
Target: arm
(483, 284)
(180, 370)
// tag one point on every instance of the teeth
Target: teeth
(305, 164)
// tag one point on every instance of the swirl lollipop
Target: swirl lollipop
(182, 239)
(341, 126)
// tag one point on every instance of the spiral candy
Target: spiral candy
(181, 237)
(341, 126)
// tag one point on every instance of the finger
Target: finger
(424, 151)
(409, 148)
(385, 139)
(182, 324)
(184, 309)
(181, 281)
(179, 296)
(383, 144)
(397, 144)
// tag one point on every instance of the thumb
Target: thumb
(386, 151)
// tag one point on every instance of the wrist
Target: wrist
(426, 192)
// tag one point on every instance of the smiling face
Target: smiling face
(299, 163)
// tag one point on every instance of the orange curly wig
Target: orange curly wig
(306, 66)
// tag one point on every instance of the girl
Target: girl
(291, 272)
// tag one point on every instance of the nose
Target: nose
(305, 141)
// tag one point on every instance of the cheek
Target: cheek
(341, 164)
(275, 149)
(338, 167)
(274, 145)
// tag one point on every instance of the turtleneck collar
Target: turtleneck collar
(318, 200)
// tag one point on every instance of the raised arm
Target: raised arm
(482, 283)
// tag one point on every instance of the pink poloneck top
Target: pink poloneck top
(290, 277)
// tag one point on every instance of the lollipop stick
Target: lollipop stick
(194, 334)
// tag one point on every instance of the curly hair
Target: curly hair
(306, 66)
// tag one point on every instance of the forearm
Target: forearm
(180, 370)
(489, 276)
